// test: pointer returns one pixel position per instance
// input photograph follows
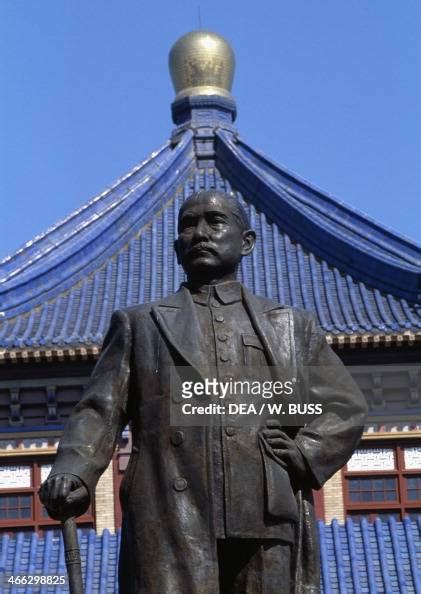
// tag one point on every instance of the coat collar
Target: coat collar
(227, 292)
(177, 318)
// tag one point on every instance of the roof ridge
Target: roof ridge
(324, 236)
(18, 293)
(333, 200)
(31, 244)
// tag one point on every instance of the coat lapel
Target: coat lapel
(275, 326)
(177, 319)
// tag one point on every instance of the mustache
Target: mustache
(201, 246)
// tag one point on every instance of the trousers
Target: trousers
(248, 566)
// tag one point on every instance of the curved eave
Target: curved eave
(73, 226)
(96, 238)
(327, 228)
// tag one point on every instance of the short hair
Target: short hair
(237, 208)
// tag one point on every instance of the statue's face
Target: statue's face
(211, 240)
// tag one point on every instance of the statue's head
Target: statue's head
(213, 235)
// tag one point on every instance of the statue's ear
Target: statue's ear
(176, 251)
(249, 241)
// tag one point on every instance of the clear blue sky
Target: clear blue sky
(330, 89)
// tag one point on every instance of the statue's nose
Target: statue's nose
(201, 229)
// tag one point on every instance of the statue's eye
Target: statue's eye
(187, 223)
(216, 220)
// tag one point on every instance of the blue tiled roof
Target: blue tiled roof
(355, 558)
(313, 251)
(371, 557)
(30, 555)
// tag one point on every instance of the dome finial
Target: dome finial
(202, 63)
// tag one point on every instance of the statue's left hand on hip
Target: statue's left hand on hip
(285, 450)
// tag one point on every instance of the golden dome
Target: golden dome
(202, 63)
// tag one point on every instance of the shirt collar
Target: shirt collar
(227, 292)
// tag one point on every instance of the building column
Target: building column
(104, 501)
(334, 499)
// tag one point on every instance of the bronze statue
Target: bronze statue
(220, 508)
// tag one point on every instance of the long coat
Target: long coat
(168, 541)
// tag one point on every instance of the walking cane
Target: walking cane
(72, 556)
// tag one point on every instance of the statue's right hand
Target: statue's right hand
(64, 496)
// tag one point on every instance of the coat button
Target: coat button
(219, 318)
(230, 431)
(222, 337)
(180, 484)
(224, 358)
(215, 303)
(177, 437)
